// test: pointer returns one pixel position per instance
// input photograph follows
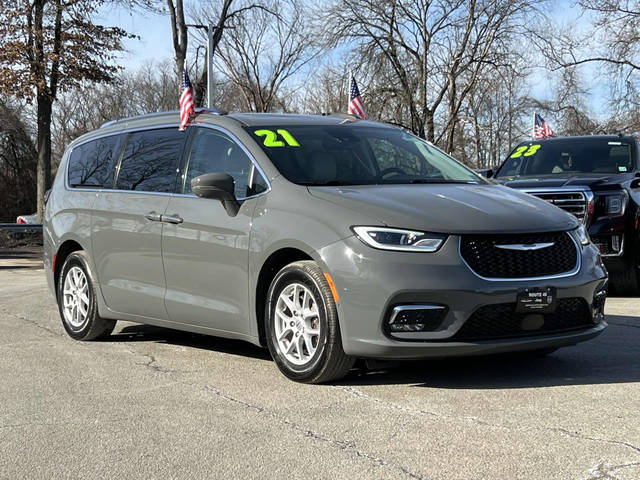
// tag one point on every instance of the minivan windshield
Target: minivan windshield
(345, 154)
(569, 157)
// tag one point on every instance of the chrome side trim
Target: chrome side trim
(526, 279)
(402, 308)
(523, 247)
(247, 152)
(155, 127)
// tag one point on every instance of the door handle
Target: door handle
(172, 219)
(153, 217)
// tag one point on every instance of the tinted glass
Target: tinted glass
(92, 164)
(569, 157)
(351, 154)
(150, 160)
(215, 152)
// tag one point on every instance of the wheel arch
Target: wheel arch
(271, 266)
(65, 249)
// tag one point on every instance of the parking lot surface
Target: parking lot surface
(157, 403)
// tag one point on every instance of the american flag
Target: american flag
(541, 129)
(355, 102)
(187, 106)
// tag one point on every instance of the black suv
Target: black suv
(596, 178)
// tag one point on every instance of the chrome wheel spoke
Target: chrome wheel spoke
(291, 347)
(297, 324)
(84, 298)
(285, 334)
(308, 343)
(75, 301)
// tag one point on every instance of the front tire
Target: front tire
(77, 301)
(303, 334)
(627, 281)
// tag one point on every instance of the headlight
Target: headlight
(613, 205)
(400, 240)
(582, 235)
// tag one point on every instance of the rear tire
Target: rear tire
(303, 334)
(77, 301)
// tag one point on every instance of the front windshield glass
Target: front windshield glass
(357, 155)
(568, 157)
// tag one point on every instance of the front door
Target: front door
(127, 227)
(205, 251)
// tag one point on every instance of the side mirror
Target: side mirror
(485, 172)
(218, 186)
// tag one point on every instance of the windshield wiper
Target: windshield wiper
(429, 180)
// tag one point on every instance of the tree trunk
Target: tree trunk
(431, 128)
(201, 88)
(43, 169)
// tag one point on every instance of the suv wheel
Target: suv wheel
(627, 282)
(302, 327)
(77, 301)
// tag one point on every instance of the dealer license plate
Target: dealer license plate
(536, 299)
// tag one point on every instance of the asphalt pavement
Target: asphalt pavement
(152, 403)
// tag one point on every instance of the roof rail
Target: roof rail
(346, 116)
(213, 111)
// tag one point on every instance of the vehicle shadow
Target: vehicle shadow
(613, 357)
(150, 333)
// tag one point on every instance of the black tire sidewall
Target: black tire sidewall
(287, 276)
(77, 260)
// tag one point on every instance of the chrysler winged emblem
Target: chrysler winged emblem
(523, 247)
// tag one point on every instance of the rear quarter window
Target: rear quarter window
(92, 164)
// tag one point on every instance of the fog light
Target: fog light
(615, 243)
(416, 318)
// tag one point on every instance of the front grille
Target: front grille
(572, 202)
(485, 258)
(502, 321)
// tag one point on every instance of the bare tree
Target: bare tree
(265, 48)
(149, 89)
(18, 158)
(434, 51)
(48, 45)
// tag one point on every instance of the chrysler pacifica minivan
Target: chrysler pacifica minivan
(323, 238)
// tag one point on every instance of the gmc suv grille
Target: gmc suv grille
(573, 202)
(519, 255)
(502, 321)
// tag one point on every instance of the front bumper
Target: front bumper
(371, 282)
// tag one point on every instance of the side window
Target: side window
(92, 164)
(214, 152)
(511, 167)
(150, 160)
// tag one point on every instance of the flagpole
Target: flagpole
(349, 80)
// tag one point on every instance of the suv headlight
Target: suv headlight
(582, 236)
(613, 205)
(400, 240)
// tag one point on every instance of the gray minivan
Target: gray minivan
(323, 238)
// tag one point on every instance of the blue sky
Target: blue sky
(154, 30)
(155, 44)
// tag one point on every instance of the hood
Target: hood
(593, 180)
(450, 208)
